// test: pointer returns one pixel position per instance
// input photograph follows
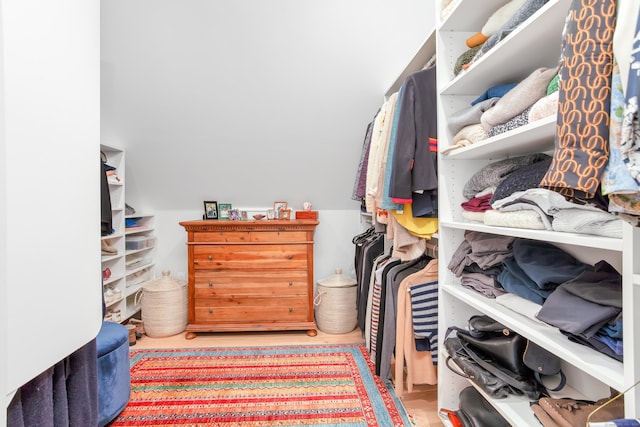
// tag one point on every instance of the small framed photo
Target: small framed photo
(234, 215)
(224, 210)
(244, 215)
(278, 207)
(285, 214)
(271, 214)
(210, 210)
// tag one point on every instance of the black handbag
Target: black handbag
(475, 411)
(522, 384)
(512, 350)
(508, 356)
(493, 386)
(505, 348)
(542, 362)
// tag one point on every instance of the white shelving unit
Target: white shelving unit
(139, 258)
(535, 43)
(114, 285)
(128, 272)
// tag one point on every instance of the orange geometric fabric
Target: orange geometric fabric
(582, 129)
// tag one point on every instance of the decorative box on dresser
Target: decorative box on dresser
(250, 276)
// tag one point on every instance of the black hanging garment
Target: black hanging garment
(369, 245)
(106, 223)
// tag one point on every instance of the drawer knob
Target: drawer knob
(210, 283)
(290, 309)
(290, 283)
(209, 257)
(210, 310)
(290, 256)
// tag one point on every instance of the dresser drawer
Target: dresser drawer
(278, 236)
(222, 237)
(250, 257)
(250, 236)
(232, 284)
(251, 310)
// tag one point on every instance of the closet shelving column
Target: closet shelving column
(115, 283)
(139, 259)
(535, 43)
(631, 317)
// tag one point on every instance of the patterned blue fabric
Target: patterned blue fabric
(630, 145)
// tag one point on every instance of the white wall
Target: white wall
(50, 134)
(250, 101)
(4, 293)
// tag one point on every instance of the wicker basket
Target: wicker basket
(335, 304)
(164, 306)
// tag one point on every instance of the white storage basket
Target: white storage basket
(164, 306)
(335, 304)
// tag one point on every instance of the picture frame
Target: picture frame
(234, 215)
(278, 207)
(224, 210)
(271, 214)
(244, 216)
(210, 210)
(285, 214)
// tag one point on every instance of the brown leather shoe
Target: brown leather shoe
(139, 324)
(132, 334)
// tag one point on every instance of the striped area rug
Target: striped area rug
(302, 385)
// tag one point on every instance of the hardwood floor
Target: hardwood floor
(421, 404)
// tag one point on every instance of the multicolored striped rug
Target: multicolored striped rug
(302, 385)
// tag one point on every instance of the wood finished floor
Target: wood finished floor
(421, 404)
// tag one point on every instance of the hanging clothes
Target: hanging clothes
(106, 215)
(377, 309)
(360, 184)
(582, 131)
(378, 153)
(415, 158)
(368, 246)
(378, 263)
(387, 333)
(416, 320)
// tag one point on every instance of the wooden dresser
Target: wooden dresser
(250, 276)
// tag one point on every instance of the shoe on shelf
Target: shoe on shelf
(106, 273)
(139, 324)
(108, 296)
(113, 179)
(128, 209)
(131, 329)
(108, 249)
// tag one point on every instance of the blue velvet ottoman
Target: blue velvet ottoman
(114, 376)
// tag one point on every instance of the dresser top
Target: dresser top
(250, 225)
